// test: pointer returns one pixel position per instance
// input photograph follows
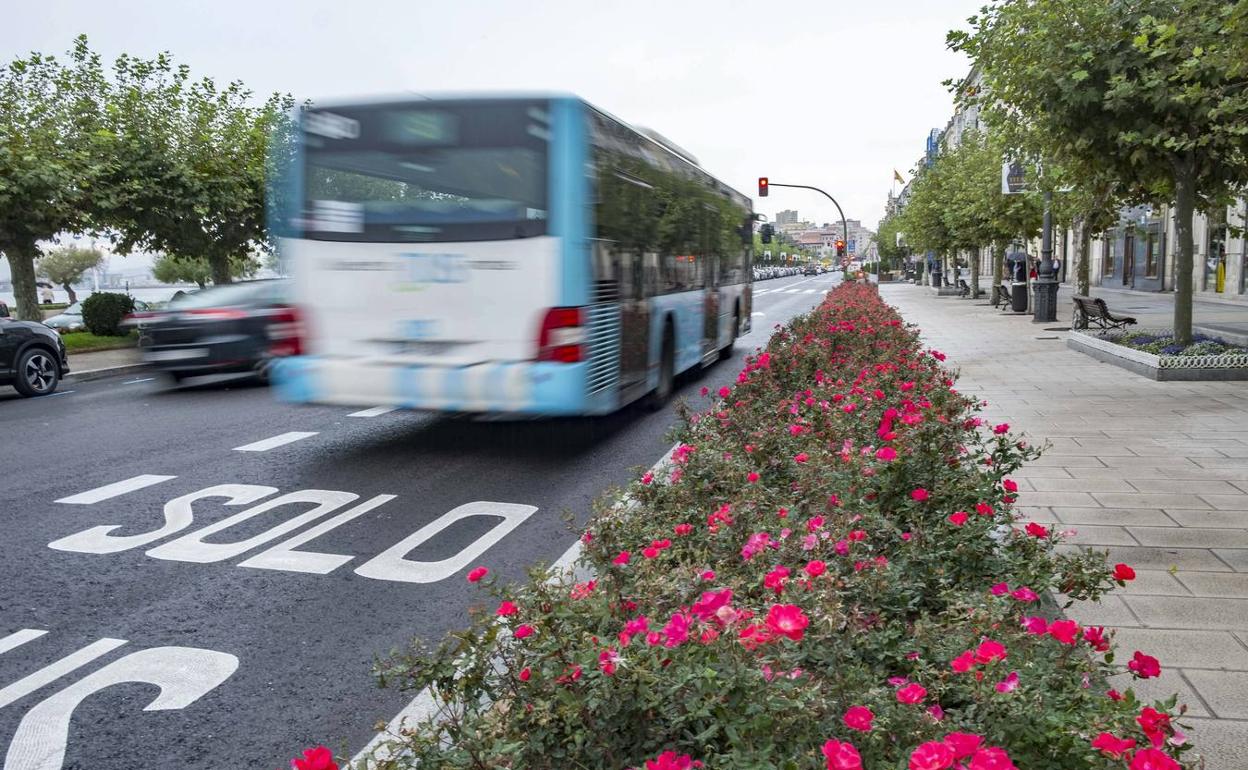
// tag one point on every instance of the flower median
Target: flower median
(828, 573)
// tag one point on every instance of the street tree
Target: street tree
(977, 213)
(65, 266)
(891, 253)
(173, 268)
(190, 160)
(922, 222)
(50, 157)
(1149, 94)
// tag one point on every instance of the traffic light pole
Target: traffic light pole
(844, 228)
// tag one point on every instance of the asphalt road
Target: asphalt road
(243, 656)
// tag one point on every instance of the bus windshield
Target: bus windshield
(426, 171)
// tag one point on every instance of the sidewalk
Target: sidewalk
(103, 363)
(1155, 472)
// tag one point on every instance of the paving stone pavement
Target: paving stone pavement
(1154, 472)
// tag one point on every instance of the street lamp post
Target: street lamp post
(1046, 279)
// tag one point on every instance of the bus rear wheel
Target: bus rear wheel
(726, 351)
(662, 392)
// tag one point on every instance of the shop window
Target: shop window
(1152, 253)
(1215, 258)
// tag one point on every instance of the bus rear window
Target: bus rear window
(426, 172)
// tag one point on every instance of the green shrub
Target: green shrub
(102, 313)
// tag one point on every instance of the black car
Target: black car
(239, 327)
(32, 357)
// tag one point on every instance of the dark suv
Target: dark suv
(32, 357)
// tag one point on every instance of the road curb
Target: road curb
(108, 371)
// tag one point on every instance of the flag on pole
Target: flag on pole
(897, 176)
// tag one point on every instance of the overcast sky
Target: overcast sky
(829, 93)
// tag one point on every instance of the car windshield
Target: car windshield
(74, 309)
(231, 294)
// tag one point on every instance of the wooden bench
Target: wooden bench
(1004, 297)
(1095, 313)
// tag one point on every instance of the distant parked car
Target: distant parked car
(32, 357)
(239, 327)
(70, 319)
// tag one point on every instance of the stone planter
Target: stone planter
(1223, 367)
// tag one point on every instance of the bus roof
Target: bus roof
(410, 97)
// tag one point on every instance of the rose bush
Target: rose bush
(828, 573)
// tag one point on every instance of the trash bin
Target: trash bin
(1017, 263)
(1018, 297)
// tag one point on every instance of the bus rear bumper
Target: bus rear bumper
(522, 387)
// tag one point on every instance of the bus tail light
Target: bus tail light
(285, 331)
(562, 336)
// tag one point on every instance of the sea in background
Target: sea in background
(144, 294)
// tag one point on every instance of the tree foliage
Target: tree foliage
(1145, 100)
(50, 157)
(65, 265)
(141, 153)
(171, 268)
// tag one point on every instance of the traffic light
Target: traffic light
(766, 231)
(762, 187)
(840, 248)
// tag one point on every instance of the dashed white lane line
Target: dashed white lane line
(135, 382)
(376, 411)
(276, 441)
(115, 489)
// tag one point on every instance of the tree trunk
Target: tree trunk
(220, 264)
(975, 273)
(1083, 269)
(998, 270)
(1184, 209)
(1083, 276)
(73, 296)
(22, 269)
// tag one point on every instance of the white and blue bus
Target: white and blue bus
(518, 255)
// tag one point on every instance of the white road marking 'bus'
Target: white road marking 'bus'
(376, 411)
(53, 671)
(18, 638)
(276, 441)
(183, 674)
(114, 490)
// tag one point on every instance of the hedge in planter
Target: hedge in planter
(827, 574)
(102, 313)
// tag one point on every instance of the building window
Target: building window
(1152, 253)
(1111, 253)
